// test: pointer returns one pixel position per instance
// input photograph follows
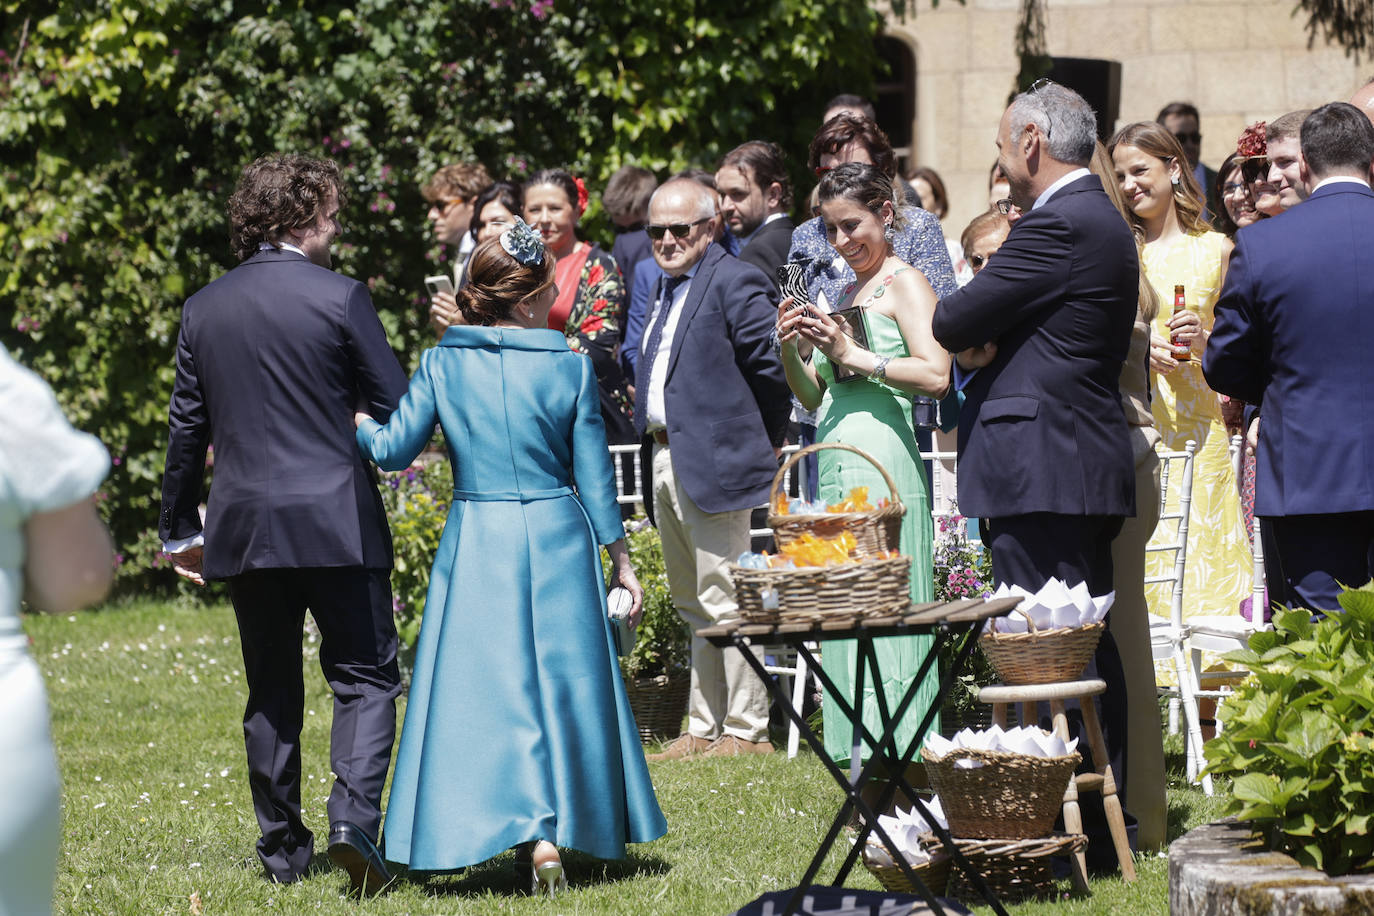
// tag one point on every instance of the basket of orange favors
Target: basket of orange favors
(831, 560)
(876, 528)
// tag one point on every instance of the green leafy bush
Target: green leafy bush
(124, 125)
(417, 503)
(663, 640)
(1299, 736)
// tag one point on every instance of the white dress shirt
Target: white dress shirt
(654, 414)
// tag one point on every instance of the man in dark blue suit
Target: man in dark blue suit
(273, 358)
(712, 403)
(1044, 450)
(1294, 331)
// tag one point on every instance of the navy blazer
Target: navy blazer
(725, 396)
(273, 358)
(1294, 332)
(767, 247)
(1041, 429)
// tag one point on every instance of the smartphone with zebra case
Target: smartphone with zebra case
(792, 282)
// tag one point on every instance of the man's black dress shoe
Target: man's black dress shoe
(352, 850)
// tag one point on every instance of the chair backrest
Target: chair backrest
(1171, 532)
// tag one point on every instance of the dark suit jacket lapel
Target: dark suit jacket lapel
(695, 293)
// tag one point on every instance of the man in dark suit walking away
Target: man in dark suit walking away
(1293, 333)
(755, 196)
(712, 405)
(1044, 449)
(273, 358)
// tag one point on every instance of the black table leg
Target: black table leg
(851, 791)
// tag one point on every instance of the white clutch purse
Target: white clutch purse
(618, 605)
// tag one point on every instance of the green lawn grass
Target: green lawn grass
(147, 700)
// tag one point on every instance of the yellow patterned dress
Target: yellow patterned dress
(1218, 571)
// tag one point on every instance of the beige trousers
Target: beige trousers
(726, 696)
(1144, 792)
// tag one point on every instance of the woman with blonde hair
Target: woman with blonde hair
(1182, 251)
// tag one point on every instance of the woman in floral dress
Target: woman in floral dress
(591, 295)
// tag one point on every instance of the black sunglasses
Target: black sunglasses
(679, 230)
(1188, 136)
(1254, 169)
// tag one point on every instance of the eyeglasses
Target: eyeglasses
(1188, 136)
(1034, 88)
(1233, 187)
(1004, 205)
(822, 169)
(1255, 169)
(679, 230)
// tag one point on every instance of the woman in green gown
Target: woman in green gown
(863, 384)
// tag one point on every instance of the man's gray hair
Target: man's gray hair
(706, 198)
(1064, 119)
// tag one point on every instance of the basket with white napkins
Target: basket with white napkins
(1049, 637)
(906, 829)
(1001, 783)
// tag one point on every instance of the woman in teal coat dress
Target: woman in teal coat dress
(517, 727)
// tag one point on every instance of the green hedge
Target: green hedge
(123, 127)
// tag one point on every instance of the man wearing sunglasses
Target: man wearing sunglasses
(712, 404)
(1181, 119)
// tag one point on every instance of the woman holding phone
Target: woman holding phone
(869, 359)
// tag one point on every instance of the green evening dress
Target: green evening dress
(877, 419)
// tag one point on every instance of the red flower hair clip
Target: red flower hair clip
(582, 196)
(1251, 142)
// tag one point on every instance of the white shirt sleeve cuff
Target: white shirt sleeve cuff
(195, 540)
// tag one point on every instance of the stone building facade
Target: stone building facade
(1237, 61)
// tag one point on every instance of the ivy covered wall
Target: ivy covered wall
(123, 126)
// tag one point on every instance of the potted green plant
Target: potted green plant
(1299, 736)
(657, 671)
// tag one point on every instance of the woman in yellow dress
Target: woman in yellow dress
(1181, 250)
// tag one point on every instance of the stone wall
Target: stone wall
(1236, 61)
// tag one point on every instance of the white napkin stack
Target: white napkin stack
(1055, 605)
(1027, 740)
(906, 828)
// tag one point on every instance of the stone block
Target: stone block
(983, 96)
(992, 40)
(941, 41)
(1218, 870)
(1274, 29)
(1203, 28)
(1112, 32)
(1315, 77)
(1150, 82)
(1238, 81)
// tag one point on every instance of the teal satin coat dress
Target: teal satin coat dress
(517, 725)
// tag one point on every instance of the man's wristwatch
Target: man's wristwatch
(879, 372)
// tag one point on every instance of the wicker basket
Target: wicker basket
(876, 531)
(1014, 869)
(934, 874)
(807, 594)
(1041, 656)
(658, 704)
(1009, 796)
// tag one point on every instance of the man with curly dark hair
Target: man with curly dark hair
(273, 358)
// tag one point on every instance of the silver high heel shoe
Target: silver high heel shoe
(548, 870)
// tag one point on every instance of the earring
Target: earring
(1175, 181)
(889, 233)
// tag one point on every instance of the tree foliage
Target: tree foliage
(123, 126)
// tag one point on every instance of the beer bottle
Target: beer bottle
(1180, 351)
